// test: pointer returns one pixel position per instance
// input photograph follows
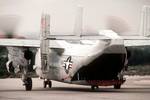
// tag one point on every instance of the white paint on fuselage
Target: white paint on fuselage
(82, 52)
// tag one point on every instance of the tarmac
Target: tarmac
(135, 88)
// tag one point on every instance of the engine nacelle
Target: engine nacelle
(10, 67)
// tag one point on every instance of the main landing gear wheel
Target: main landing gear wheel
(28, 84)
(93, 87)
(48, 82)
(117, 86)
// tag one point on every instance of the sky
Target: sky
(23, 16)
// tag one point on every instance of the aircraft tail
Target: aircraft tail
(45, 25)
(44, 45)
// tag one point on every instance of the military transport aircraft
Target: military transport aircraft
(98, 60)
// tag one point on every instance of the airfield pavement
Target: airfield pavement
(135, 88)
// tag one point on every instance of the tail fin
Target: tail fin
(45, 25)
(145, 21)
(44, 45)
(78, 21)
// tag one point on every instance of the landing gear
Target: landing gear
(28, 84)
(47, 82)
(117, 86)
(26, 79)
(93, 87)
(120, 78)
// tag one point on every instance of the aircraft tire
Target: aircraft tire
(44, 84)
(93, 87)
(117, 86)
(28, 85)
(50, 84)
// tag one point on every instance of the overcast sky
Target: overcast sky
(23, 16)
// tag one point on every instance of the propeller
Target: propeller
(8, 26)
(118, 25)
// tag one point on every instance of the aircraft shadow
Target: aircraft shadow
(122, 90)
(72, 89)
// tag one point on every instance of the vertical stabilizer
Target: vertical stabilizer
(78, 21)
(145, 21)
(45, 25)
(44, 46)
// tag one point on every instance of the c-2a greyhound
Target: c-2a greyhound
(77, 59)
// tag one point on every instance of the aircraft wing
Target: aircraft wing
(136, 41)
(26, 43)
(20, 43)
(75, 37)
(128, 40)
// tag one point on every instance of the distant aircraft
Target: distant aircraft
(98, 60)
